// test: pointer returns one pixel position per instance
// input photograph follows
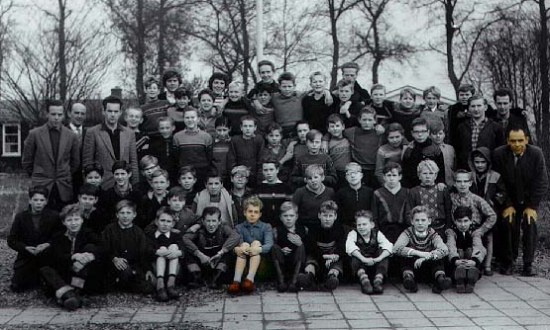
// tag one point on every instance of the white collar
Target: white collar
(158, 233)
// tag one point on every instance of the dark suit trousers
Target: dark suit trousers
(511, 236)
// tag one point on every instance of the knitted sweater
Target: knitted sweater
(288, 110)
(364, 145)
(194, 148)
(408, 241)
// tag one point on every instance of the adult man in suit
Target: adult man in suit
(51, 155)
(109, 141)
(523, 170)
(77, 116)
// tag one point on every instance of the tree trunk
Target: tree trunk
(140, 51)
(61, 51)
(246, 43)
(161, 53)
(544, 79)
(449, 32)
(335, 44)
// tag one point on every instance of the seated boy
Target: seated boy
(94, 218)
(154, 199)
(216, 195)
(68, 260)
(354, 196)
(256, 239)
(208, 246)
(29, 236)
(288, 252)
(168, 247)
(239, 189)
(128, 252)
(466, 251)
(326, 249)
(310, 197)
(421, 251)
(369, 250)
(122, 189)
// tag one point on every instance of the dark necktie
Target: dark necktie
(520, 194)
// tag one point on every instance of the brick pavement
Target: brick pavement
(498, 303)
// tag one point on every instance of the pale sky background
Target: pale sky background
(422, 70)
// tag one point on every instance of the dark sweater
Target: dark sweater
(350, 201)
(308, 204)
(129, 243)
(416, 152)
(390, 211)
(364, 145)
(234, 111)
(272, 196)
(224, 238)
(320, 159)
(245, 152)
(194, 148)
(326, 241)
(316, 112)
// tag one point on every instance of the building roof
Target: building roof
(394, 95)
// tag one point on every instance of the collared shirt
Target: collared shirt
(158, 233)
(476, 129)
(114, 135)
(76, 129)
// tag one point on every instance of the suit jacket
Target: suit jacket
(98, 148)
(40, 164)
(491, 136)
(78, 179)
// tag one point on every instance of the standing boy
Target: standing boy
(354, 196)
(245, 149)
(272, 191)
(314, 156)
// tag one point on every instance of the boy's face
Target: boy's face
(345, 93)
(248, 127)
(252, 214)
(270, 172)
(302, 131)
(314, 146)
(234, 93)
(367, 121)
(354, 177)
(364, 225)
(160, 184)
(222, 132)
(427, 177)
(73, 223)
(166, 129)
(438, 137)
(172, 84)
(176, 203)
(266, 73)
(463, 183)
(187, 181)
(182, 102)
(239, 181)
(392, 178)
(349, 74)
(133, 118)
(165, 223)
(149, 170)
(287, 87)
(407, 101)
(289, 218)
(126, 216)
(327, 218)
(274, 137)
(206, 103)
(152, 91)
(264, 97)
(317, 83)
(56, 115)
(463, 224)
(395, 139)
(190, 119)
(420, 133)
(336, 129)
(314, 181)
(421, 222)
(218, 86)
(477, 109)
(38, 202)
(211, 222)
(378, 96)
(87, 201)
(431, 100)
(480, 164)
(93, 178)
(503, 104)
(463, 97)
(121, 177)
(214, 186)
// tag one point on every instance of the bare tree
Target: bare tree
(377, 40)
(544, 69)
(5, 24)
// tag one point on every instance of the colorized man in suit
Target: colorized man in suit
(77, 116)
(51, 155)
(109, 141)
(523, 170)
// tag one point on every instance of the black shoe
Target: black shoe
(332, 283)
(507, 270)
(306, 281)
(528, 270)
(488, 272)
(472, 276)
(172, 292)
(162, 295)
(409, 283)
(460, 278)
(282, 287)
(292, 287)
(366, 287)
(443, 282)
(70, 300)
(377, 286)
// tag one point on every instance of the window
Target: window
(11, 140)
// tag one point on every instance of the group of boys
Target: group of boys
(318, 184)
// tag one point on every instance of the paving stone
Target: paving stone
(238, 308)
(165, 309)
(212, 325)
(208, 308)
(396, 306)
(323, 315)
(402, 314)
(242, 317)
(545, 311)
(482, 312)
(452, 322)
(247, 300)
(430, 305)
(448, 313)
(285, 324)
(6, 318)
(10, 311)
(396, 297)
(363, 315)
(426, 296)
(319, 307)
(316, 300)
(503, 327)
(248, 325)
(527, 320)
(282, 316)
(152, 317)
(369, 324)
(327, 324)
(471, 305)
(522, 312)
(510, 304)
(280, 300)
(291, 307)
(493, 320)
(206, 317)
(113, 315)
(29, 317)
(539, 303)
(412, 322)
(355, 307)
